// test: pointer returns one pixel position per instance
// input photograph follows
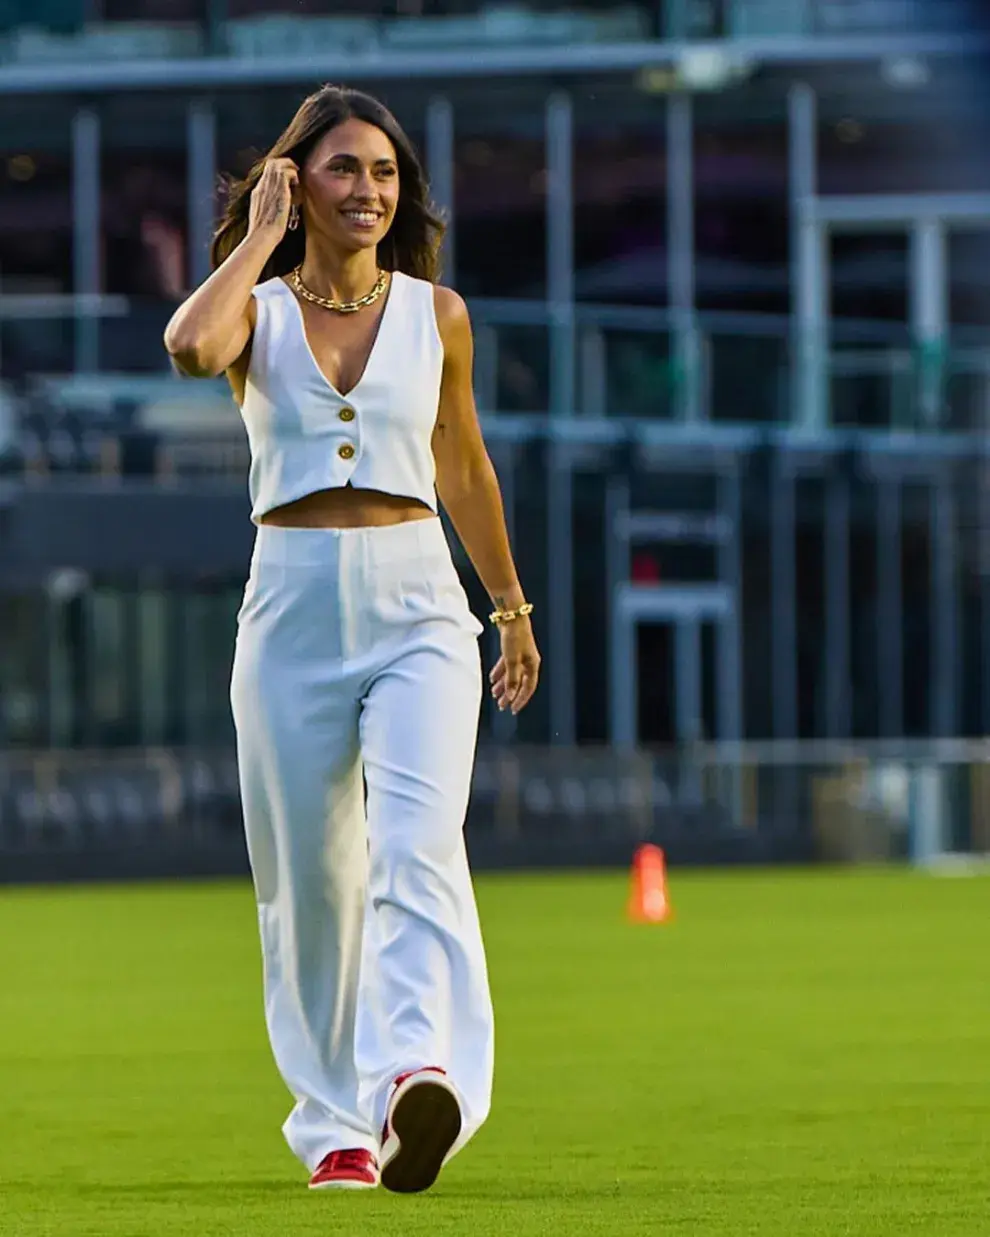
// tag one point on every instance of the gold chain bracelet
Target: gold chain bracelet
(498, 617)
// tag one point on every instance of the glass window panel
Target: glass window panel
(144, 208)
(153, 664)
(967, 390)
(23, 669)
(641, 374)
(523, 369)
(876, 397)
(620, 198)
(223, 604)
(746, 376)
(620, 220)
(207, 630)
(969, 278)
(921, 145)
(61, 702)
(741, 206)
(869, 276)
(500, 197)
(35, 230)
(195, 667)
(107, 663)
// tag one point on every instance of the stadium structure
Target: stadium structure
(727, 263)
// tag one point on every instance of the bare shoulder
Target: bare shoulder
(453, 320)
(450, 307)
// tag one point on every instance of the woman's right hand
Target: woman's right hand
(271, 198)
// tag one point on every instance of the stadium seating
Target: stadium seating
(121, 424)
(56, 31)
(107, 41)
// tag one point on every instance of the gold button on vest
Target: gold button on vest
(346, 451)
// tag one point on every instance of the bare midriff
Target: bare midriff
(347, 507)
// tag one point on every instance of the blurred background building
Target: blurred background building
(728, 263)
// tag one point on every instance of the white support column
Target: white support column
(688, 712)
(201, 175)
(86, 241)
(560, 252)
(685, 346)
(561, 684)
(809, 266)
(623, 679)
(593, 366)
(563, 362)
(929, 291)
(440, 171)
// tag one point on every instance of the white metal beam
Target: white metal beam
(862, 212)
(201, 155)
(681, 253)
(809, 265)
(208, 72)
(929, 302)
(86, 248)
(440, 171)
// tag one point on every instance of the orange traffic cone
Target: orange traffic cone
(648, 900)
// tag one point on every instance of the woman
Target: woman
(356, 684)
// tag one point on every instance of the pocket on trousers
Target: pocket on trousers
(261, 584)
(450, 601)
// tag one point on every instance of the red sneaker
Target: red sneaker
(346, 1170)
(422, 1123)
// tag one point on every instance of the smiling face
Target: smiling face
(350, 186)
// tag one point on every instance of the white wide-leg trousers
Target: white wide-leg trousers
(356, 691)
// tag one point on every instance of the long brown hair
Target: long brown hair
(412, 243)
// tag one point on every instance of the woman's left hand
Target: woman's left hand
(517, 671)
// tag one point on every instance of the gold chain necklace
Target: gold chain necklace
(340, 307)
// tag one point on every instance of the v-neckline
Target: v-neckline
(342, 395)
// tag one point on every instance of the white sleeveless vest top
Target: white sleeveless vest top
(305, 436)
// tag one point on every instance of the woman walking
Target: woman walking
(357, 682)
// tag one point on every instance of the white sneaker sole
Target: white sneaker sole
(424, 1121)
(345, 1185)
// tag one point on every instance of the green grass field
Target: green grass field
(799, 1054)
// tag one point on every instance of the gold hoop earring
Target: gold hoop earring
(293, 217)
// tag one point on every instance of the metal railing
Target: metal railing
(622, 361)
(834, 802)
